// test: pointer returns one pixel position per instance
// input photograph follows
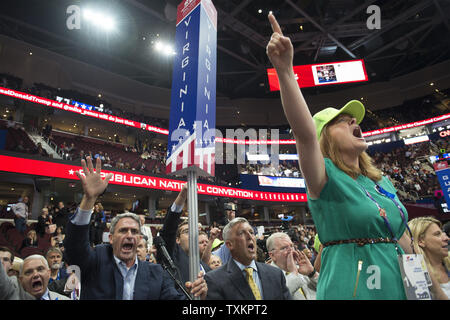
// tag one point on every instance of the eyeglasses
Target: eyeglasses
(292, 247)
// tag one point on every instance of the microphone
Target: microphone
(161, 247)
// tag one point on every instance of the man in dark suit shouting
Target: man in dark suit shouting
(113, 271)
(242, 278)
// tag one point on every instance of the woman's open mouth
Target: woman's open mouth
(357, 133)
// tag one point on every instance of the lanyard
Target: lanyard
(383, 212)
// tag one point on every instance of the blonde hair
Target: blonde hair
(419, 227)
(330, 149)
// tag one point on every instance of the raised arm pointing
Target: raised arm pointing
(280, 53)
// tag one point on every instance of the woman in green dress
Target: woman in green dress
(360, 221)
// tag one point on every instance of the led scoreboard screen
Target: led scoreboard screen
(323, 74)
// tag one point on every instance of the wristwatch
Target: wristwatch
(312, 274)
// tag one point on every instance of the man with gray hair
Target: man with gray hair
(242, 277)
(58, 274)
(301, 277)
(34, 275)
(112, 271)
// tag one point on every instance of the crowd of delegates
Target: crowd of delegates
(284, 262)
(410, 169)
(283, 169)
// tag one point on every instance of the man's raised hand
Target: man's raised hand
(92, 182)
(279, 49)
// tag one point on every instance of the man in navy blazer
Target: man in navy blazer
(176, 239)
(113, 271)
(229, 281)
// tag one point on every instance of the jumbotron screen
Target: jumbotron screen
(323, 74)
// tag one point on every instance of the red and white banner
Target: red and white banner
(65, 171)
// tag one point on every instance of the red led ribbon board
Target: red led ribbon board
(65, 171)
(80, 111)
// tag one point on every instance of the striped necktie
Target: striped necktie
(251, 283)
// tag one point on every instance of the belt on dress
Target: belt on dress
(360, 242)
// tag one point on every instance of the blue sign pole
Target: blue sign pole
(191, 144)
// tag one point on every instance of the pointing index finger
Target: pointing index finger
(274, 24)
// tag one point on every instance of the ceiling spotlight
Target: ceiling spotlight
(301, 27)
(31, 53)
(164, 48)
(432, 84)
(259, 11)
(100, 20)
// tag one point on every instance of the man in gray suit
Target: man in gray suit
(10, 288)
(301, 277)
(242, 278)
(34, 277)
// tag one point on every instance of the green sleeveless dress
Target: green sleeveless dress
(344, 211)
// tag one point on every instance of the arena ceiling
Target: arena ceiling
(413, 35)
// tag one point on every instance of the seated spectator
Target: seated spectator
(39, 150)
(81, 155)
(108, 164)
(30, 240)
(34, 277)
(119, 164)
(141, 167)
(57, 239)
(100, 155)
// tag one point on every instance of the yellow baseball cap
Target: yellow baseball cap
(216, 243)
(322, 118)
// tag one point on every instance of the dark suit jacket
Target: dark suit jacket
(229, 283)
(101, 278)
(179, 257)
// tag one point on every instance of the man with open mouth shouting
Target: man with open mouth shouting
(242, 278)
(34, 277)
(113, 271)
